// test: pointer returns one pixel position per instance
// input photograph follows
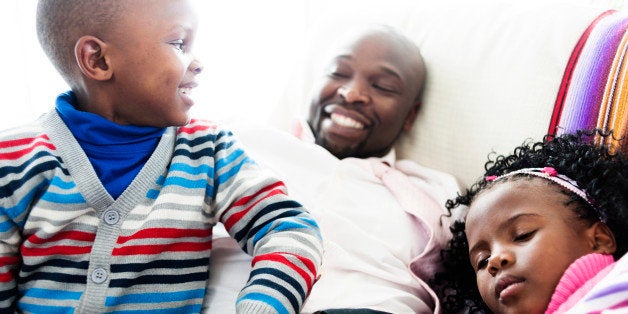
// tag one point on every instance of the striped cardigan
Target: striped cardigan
(67, 246)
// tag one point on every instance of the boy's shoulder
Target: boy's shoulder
(201, 127)
(27, 135)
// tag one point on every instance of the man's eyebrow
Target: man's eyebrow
(392, 72)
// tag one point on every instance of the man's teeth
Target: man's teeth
(346, 121)
(185, 90)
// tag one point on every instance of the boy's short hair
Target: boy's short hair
(60, 23)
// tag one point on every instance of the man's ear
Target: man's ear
(602, 238)
(92, 59)
(407, 124)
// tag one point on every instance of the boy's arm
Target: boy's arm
(9, 259)
(278, 232)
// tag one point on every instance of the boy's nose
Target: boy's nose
(196, 67)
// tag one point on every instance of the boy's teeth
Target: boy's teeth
(346, 121)
(184, 90)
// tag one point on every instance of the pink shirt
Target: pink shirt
(380, 225)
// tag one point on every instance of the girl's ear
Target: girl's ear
(92, 59)
(602, 238)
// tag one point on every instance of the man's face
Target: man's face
(154, 68)
(368, 96)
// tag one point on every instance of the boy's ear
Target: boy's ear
(409, 122)
(602, 238)
(92, 59)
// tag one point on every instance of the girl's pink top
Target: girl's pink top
(578, 279)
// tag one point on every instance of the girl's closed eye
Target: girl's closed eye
(524, 236)
(481, 261)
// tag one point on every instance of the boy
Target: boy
(107, 202)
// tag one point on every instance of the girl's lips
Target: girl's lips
(508, 286)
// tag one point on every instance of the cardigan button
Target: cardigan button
(99, 275)
(111, 217)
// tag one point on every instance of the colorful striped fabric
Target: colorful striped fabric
(609, 295)
(66, 246)
(593, 90)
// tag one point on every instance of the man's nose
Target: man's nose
(354, 92)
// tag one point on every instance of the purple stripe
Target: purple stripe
(621, 287)
(591, 74)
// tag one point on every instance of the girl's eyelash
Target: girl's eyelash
(482, 263)
(524, 236)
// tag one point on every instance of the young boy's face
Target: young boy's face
(154, 70)
(522, 238)
(367, 97)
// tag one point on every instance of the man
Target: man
(381, 219)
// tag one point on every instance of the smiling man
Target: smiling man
(370, 94)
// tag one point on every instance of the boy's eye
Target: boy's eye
(178, 44)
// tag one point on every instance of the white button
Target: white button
(99, 275)
(111, 217)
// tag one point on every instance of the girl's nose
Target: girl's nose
(500, 260)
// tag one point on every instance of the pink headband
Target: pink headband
(549, 173)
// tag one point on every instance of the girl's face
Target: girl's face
(522, 238)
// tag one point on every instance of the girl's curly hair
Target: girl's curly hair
(602, 174)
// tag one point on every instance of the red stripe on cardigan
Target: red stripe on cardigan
(34, 143)
(56, 250)
(280, 258)
(193, 127)
(66, 235)
(237, 216)
(6, 277)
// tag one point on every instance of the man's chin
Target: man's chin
(340, 151)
